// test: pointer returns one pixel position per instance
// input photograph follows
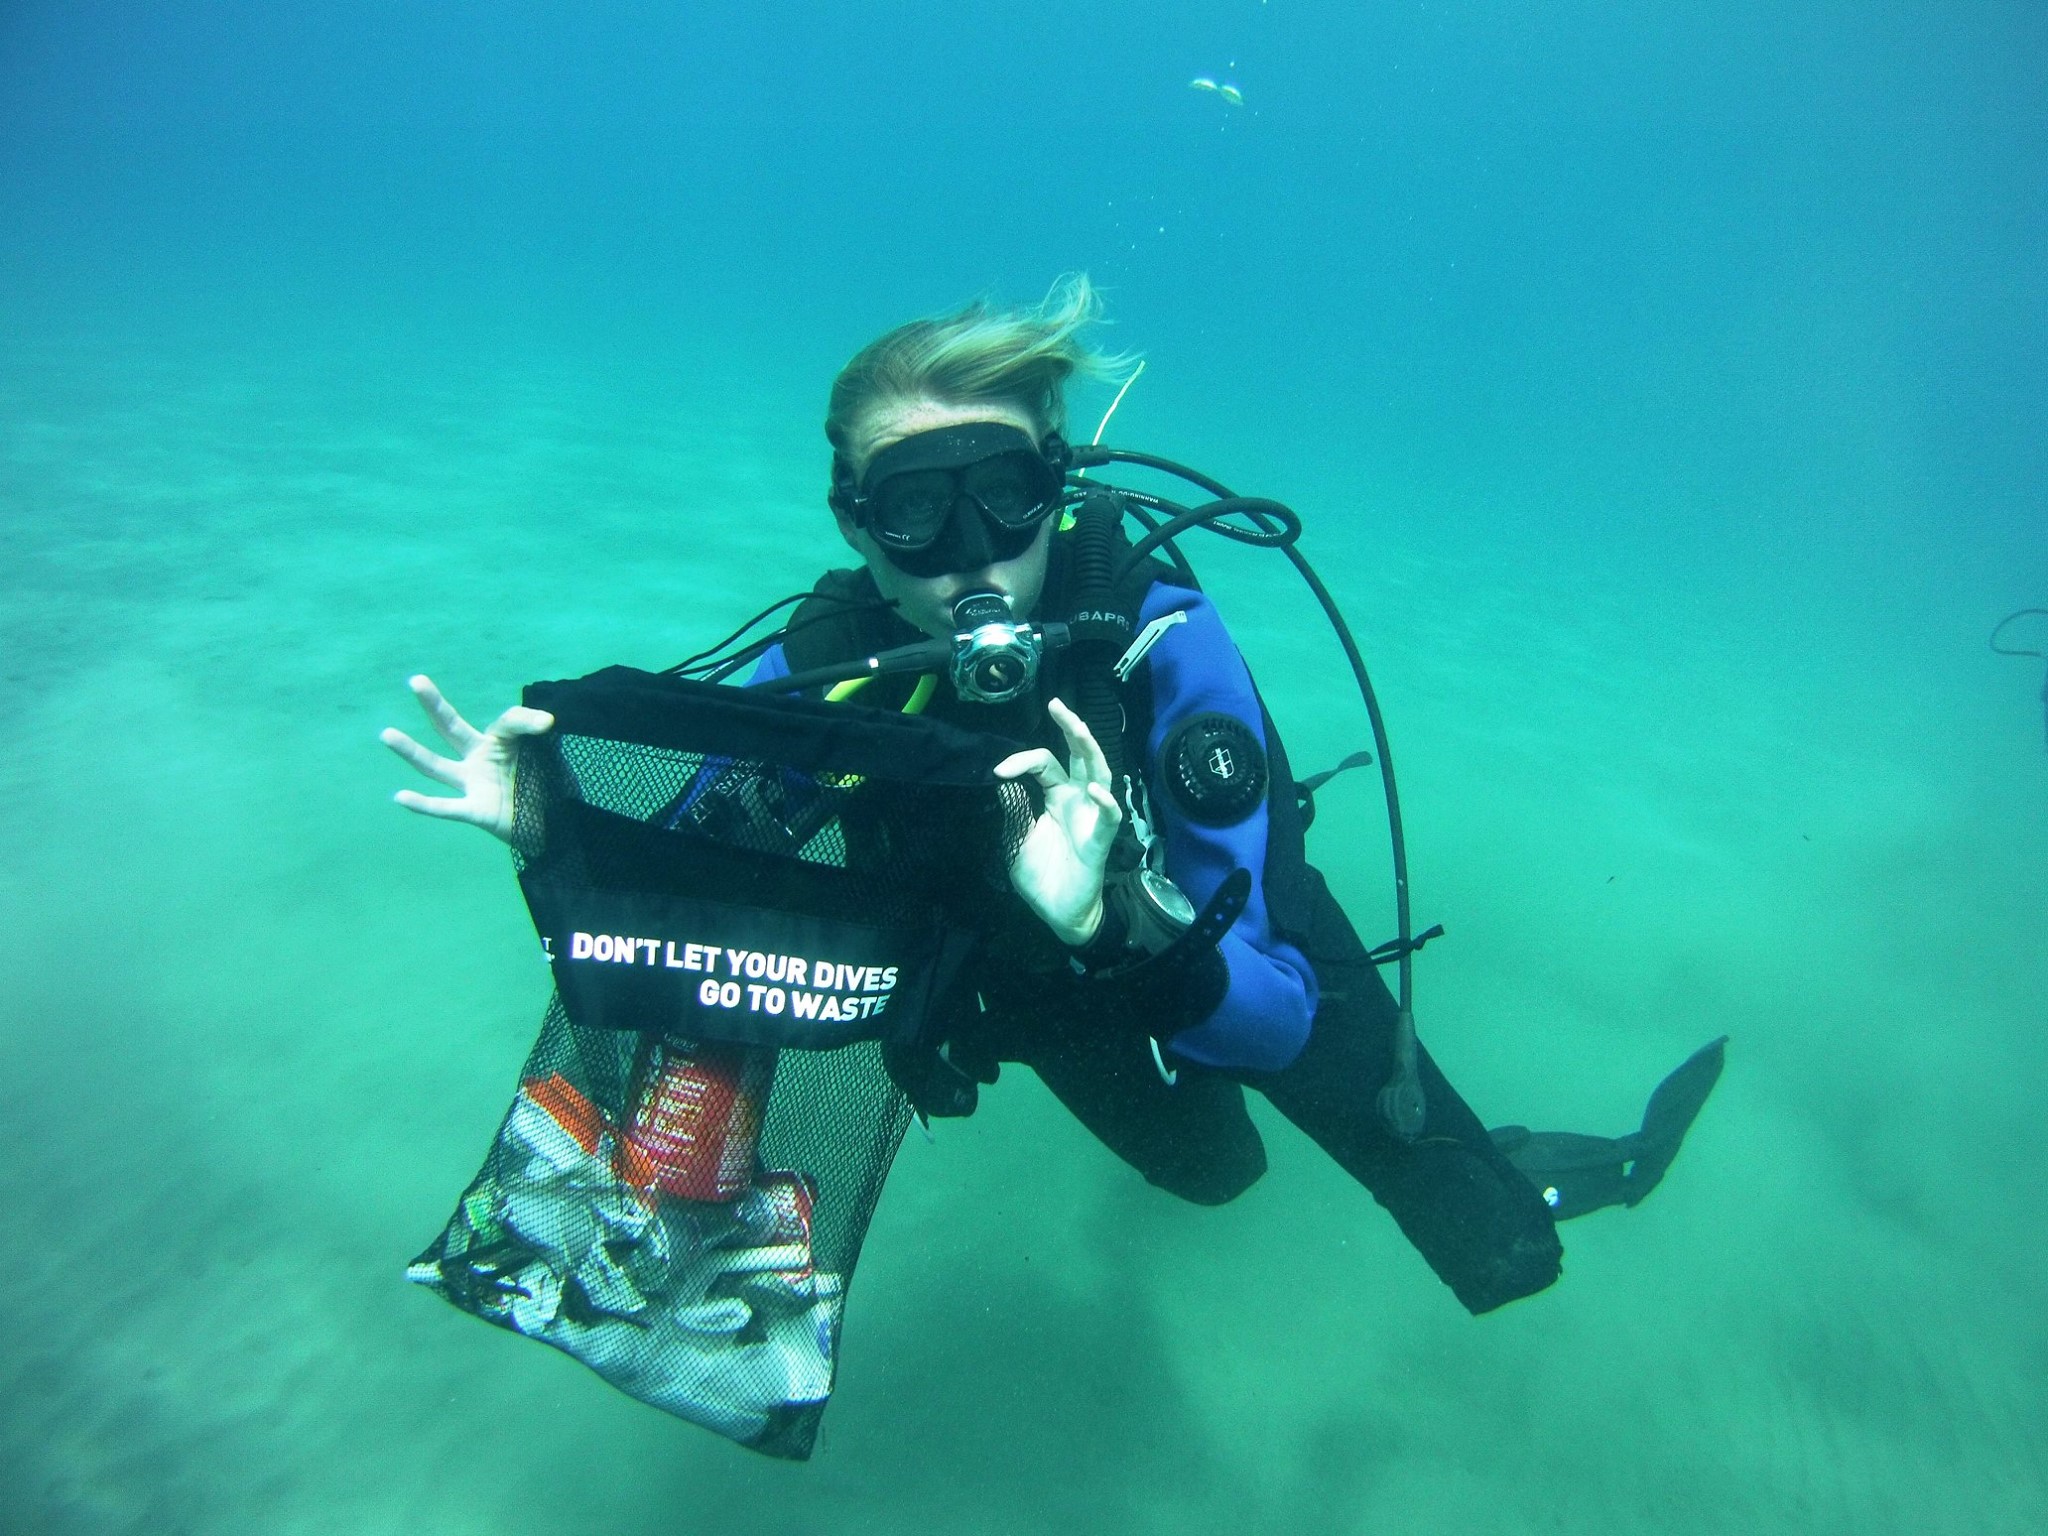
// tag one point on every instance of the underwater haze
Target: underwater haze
(1662, 388)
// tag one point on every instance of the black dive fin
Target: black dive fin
(1576, 1174)
(1671, 1112)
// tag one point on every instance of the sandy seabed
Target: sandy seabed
(261, 1025)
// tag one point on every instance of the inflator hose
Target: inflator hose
(1099, 631)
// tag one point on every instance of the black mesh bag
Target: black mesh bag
(744, 900)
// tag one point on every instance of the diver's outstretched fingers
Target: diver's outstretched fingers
(432, 764)
(1087, 762)
(455, 730)
(440, 806)
(481, 774)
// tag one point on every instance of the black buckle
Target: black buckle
(1394, 949)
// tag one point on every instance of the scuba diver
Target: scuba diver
(1164, 943)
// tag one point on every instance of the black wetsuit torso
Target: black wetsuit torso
(1479, 1222)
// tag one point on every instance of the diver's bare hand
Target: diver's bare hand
(483, 771)
(1058, 870)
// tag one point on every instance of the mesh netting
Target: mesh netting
(836, 845)
(742, 898)
(725, 1312)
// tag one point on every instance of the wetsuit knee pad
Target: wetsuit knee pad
(1216, 1176)
(1192, 1138)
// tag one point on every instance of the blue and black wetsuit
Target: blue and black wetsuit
(1305, 1017)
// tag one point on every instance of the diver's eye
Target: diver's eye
(1008, 487)
(913, 507)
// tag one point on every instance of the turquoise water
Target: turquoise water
(1662, 392)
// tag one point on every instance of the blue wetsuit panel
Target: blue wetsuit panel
(1262, 1022)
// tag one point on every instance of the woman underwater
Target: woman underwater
(950, 482)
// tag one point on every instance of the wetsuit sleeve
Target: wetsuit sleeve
(1263, 1020)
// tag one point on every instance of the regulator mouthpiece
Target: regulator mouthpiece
(994, 657)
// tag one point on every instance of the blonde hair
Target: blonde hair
(1017, 357)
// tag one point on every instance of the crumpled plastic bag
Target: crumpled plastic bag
(712, 1312)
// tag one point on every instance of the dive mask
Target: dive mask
(956, 498)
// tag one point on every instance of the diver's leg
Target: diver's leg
(1476, 1220)
(1577, 1174)
(1194, 1138)
(1480, 1225)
